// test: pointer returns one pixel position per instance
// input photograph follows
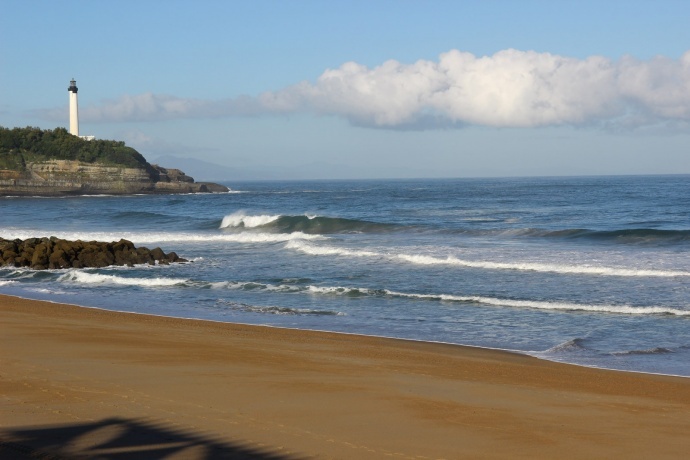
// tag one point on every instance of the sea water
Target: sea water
(591, 270)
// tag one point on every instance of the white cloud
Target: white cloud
(511, 88)
(157, 107)
(154, 107)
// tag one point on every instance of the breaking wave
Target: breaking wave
(240, 219)
(548, 305)
(305, 224)
(475, 300)
(541, 267)
(171, 237)
(330, 250)
(311, 249)
(81, 277)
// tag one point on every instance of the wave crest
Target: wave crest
(172, 237)
(310, 225)
(354, 291)
(419, 259)
(241, 220)
(81, 277)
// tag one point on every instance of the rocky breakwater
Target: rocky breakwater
(56, 253)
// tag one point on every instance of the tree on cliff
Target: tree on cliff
(21, 145)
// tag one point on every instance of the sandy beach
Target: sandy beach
(79, 382)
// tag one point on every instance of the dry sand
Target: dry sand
(100, 384)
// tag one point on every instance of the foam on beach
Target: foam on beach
(468, 299)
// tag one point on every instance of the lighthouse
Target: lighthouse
(73, 108)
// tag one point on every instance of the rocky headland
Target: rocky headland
(35, 162)
(71, 177)
(56, 253)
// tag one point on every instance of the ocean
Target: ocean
(593, 271)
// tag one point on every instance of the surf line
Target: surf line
(451, 260)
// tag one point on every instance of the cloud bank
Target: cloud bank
(511, 88)
(158, 107)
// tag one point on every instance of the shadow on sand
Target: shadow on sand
(117, 438)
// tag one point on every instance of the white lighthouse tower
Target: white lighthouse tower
(73, 108)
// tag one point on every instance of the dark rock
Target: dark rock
(173, 257)
(157, 254)
(8, 257)
(39, 259)
(55, 253)
(58, 259)
(144, 256)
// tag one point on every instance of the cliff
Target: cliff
(36, 162)
(69, 177)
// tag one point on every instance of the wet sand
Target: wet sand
(98, 384)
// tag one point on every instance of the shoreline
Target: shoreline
(531, 354)
(197, 386)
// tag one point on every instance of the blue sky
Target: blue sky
(363, 89)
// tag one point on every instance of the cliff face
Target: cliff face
(71, 177)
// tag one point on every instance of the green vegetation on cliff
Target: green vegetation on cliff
(19, 146)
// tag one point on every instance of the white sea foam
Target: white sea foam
(172, 237)
(235, 238)
(74, 276)
(6, 282)
(498, 302)
(328, 250)
(340, 290)
(547, 305)
(490, 265)
(481, 300)
(49, 291)
(240, 219)
(250, 285)
(540, 267)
